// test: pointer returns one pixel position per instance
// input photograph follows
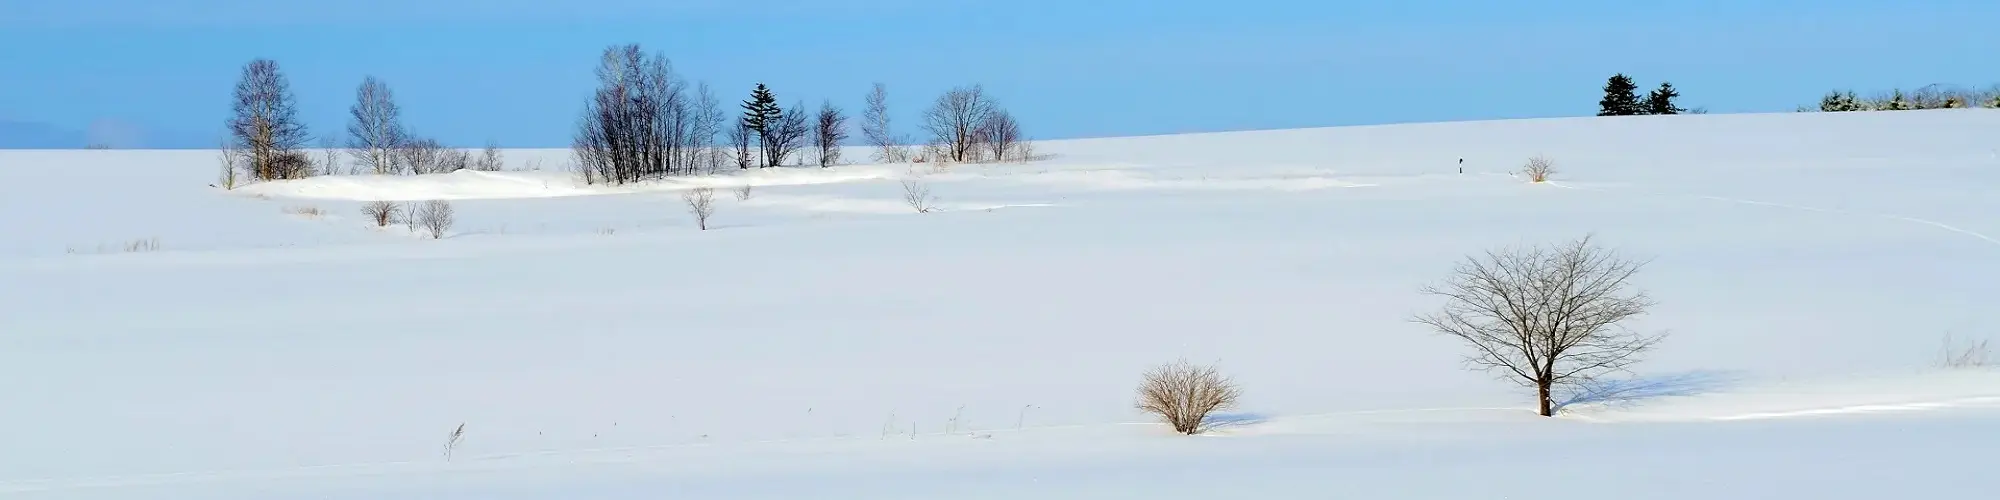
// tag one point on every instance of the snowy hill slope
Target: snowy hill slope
(824, 340)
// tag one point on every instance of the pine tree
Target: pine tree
(760, 114)
(1897, 102)
(1838, 101)
(1661, 101)
(1621, 97)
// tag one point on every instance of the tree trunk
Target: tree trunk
(1542, 393)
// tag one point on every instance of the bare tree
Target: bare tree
(787, 134)
(1546, 317)
(828, 132)
(329, 157)
(708, 121)
(454, 160)
(230, 158)
(490, 159)
(382, 213)
(739, 139)
(434, 218)
(1184, 395)
(701, 204)
(1001, 135)
(1539, 169)
(875, 128)
(954, 120)
(638, 122)
(917, 195)
(266, 125)
(375, 127)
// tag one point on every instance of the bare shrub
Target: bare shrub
(425, 156)
(701, 204)
(917, 194)
(490, 159)
(1539, 169)
(1971, 354)
(382, 212)
(306, 211)
(1184, 395)
(1546, 317)
(743, 193)
(145, 245)
(434, 218)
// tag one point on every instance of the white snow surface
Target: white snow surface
(823, 340)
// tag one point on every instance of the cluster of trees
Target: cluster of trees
(266, 140)
(644, 121)
(1929, 97)
(1621, 98)
(1547, 317)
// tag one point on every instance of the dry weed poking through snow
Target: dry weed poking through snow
(306, 211)
(134, 246)
(1971, 354)
(1184, 395)
(917, 194)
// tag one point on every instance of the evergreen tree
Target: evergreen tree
(760, 114)
(1838, 101)
(1621, 97)
(1661, 101)
(1896, 102)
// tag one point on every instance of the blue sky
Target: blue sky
(157, 73)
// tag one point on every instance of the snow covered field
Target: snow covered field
(823, 340)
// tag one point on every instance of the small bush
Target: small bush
(918, 195)
(145, 245)
(434, 218)
(701, 204)
(382, 212)
(1539, 169)
(1184, 395)
(490, 160)
(743, 193)
(305, 211)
